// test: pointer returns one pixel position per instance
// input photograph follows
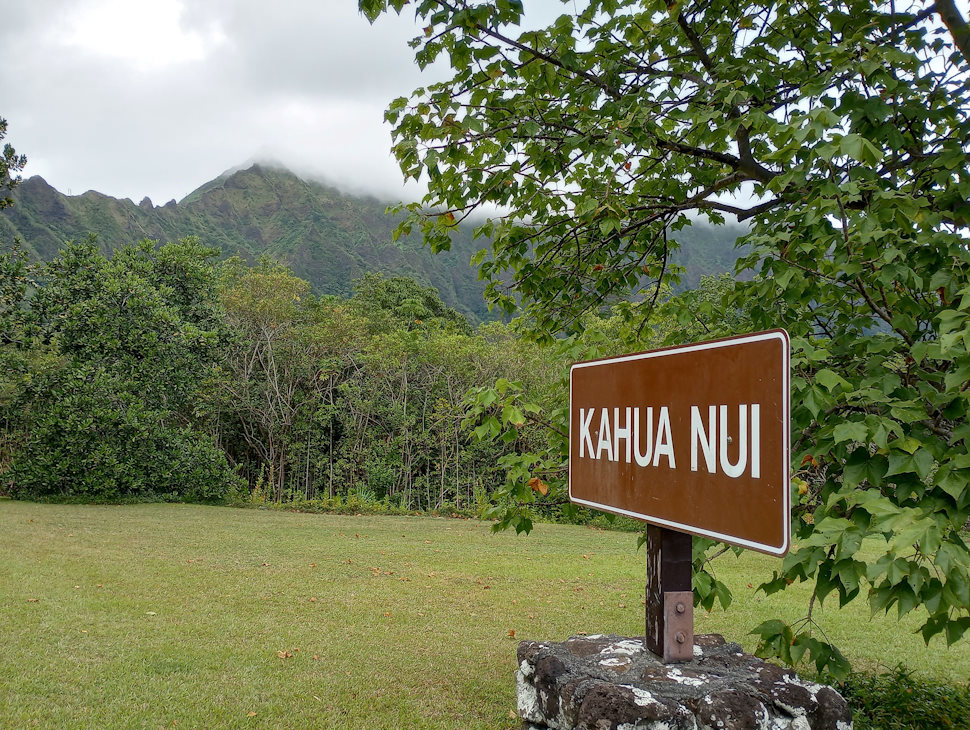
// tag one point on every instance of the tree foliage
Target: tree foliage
(10, 166)
(329, 398)
(156, 374)
(839, 131)
(111, 412)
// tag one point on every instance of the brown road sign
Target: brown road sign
(693, 438)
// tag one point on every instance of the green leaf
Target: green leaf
(952, 482)
(860, 149)
(372, 9)
(512, 415)
(923, 462)
(830, 380)
(900, 464)
(850, 431)
(799, 647)
(906, 600)
(958, 582)
(769, 628)
(933, 626)
(955, 629)
(609, 224)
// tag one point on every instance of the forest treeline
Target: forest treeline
(161, 373)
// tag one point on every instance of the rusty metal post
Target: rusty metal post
(670, 598)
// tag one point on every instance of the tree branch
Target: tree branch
(548, 58)
(954, 22)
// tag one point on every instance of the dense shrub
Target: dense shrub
(897, 700)
(91, 438)
(114, 411)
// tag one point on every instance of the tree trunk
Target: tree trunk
(306, 479)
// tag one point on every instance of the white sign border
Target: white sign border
(777, 334)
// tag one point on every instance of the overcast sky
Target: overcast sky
(156, 97)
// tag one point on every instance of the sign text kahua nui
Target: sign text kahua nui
(694, 438)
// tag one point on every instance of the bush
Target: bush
(104, 399)
(91, 439)
(897, 700)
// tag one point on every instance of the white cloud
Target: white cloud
(156, 97)
(148, 36)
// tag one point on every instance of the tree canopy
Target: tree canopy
(10, 165)
(105, 362)
(839, 131)
(155, 373)
(598, 134)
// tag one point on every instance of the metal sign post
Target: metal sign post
(694, 440)
(670, 599)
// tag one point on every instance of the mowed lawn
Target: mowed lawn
(161, 616)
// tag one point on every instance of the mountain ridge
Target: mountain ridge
(327, 236)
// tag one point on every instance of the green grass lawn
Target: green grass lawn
(163, 616)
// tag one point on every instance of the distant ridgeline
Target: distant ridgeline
(327, 237)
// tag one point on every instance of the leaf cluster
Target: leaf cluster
(324, 399)
(840, 132)
(110, 413)
(10, 165)
(896, 700)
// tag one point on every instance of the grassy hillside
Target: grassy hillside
(186, 616)
(328, 237)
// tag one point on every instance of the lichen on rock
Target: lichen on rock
(613, 683)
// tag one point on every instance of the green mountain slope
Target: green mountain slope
(328, 237)
(706, 250)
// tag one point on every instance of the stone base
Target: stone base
(614, 683)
